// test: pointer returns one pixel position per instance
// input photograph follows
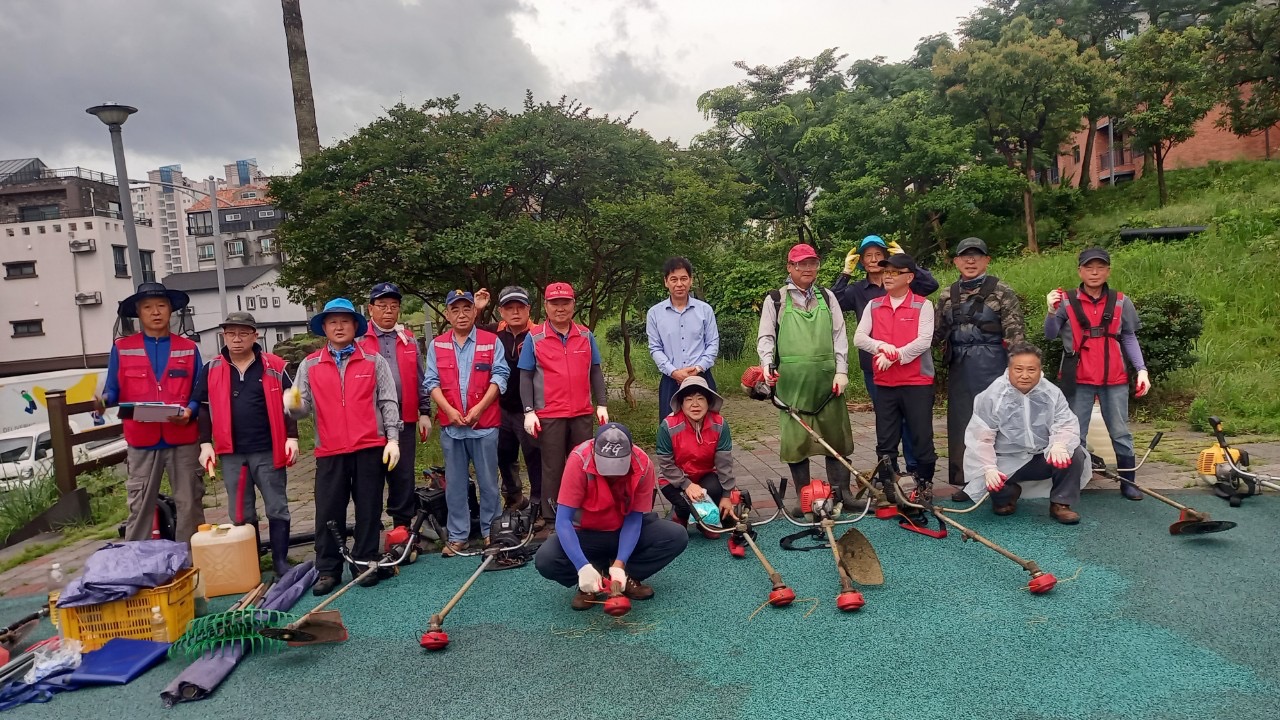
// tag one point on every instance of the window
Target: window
(205, 252)
(14, 270)
(37, 212)
(71, 227)
(40, 229)
(266, 213)
(262, 302)
(235, 248)
(231, 216)
(200, 223)
(1075, 153)
(249, 303)
(44, 445)
(248, 195)
(27, 328)
(275, 302)
(267, 243)
(279, 337)
(57, 228)
(148, 269)
(26, 231)
(88, 224)
(122, 265)
(9, 232)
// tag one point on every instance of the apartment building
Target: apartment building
(164, 201)
(66, 268)
(246, 225)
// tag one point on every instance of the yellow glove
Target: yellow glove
(895, 248)
(293, 399)
(391, 454)
(851, 261)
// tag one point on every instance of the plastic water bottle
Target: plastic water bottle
(159, 632)
(56, 584)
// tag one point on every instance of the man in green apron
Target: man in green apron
(804, 350)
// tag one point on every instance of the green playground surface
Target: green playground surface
(1141, 625)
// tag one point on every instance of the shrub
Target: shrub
(296, 348)
(737, 332)
(635, 328)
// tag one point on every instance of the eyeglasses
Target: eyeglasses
(896, 273)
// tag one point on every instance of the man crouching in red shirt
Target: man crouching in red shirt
(608, 484)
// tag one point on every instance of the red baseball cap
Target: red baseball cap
(557, 291)
(801, 251)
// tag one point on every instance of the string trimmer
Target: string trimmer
(1041, 582)
(743, 531)
(1227, 470)
(509, 534)
(855, 559)
(1190, 521)
(874, 494)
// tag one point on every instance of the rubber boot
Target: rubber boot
(279, 539)
(1127, 490)
(840, 478)
(885, 475)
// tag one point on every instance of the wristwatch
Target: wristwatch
(528, 409)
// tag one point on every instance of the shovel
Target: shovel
(1190, 521)
(855, 560)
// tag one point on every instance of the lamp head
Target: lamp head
(112, 113)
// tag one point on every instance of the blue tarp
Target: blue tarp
(121, 569)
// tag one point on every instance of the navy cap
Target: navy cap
(901, 261)
(385, 289)
(456, 295)
(1094, 253)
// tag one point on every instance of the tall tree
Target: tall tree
(1166, 87)
(760, 122)
(304, 103)
(1026, 92)
(1246, 62)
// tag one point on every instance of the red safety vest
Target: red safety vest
(406, 365)
(220, 404)
(138, 383)
(898, 327)
(477, 384)
(1096, 339)
(347, 417)
(562, 378)
(694, 455)
(606, 501)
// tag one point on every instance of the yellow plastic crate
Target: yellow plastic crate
(94, 625)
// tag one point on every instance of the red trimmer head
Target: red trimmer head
(1042, 583)
(435, 640)
(617, 606)
(782, 596)
(850, 601)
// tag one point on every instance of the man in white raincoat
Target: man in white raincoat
(1023, 430)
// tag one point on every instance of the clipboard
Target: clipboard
(153, 411)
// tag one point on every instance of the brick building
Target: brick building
(1210, 143)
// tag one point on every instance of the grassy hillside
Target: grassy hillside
(1233, 268)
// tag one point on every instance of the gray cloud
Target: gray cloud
(211, 80)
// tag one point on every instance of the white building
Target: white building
(253, 289)
(66, 269)
(165, 204)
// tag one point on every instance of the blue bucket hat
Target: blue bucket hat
(870, 241)
(338, 305)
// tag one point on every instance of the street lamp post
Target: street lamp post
(113, 116)
(219, 251)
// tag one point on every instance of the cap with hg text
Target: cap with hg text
(1094, 253)
(458, 295)
(612, 450)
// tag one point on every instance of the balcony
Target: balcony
(14, 217)
(55, 174)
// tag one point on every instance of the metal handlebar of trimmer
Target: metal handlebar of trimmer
(500, 548)
(743, 512)
(1150, 446)
(387, 560)
(779, 495)
(1268, 481)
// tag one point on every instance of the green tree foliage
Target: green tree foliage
(1165, 85)
(1246, 62)
(759, 122)
(1026, 93)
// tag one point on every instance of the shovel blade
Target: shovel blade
(322, 627)
(858, 559)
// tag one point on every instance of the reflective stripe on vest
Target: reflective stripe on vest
(220, 404)
(1096, 339)
(478, 378)
(898, 327)
(562, 378)
(347, 417)
(694, 453)
(406, 364)
(138, 383)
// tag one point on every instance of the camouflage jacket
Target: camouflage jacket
(1003, 301)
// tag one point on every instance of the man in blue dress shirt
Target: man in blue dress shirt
(683, 338)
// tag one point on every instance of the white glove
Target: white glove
(602, 414)
(589, 579)
(1058, 455)
(882, 362)
(617, 575)
(424, 427)
(207, 457)
(888, 351)
(841, 382)
(1055, 298)
(532, 425)
(293, 399)
(290, 451)
(391, 454)
(995, 480)
(1144, 384)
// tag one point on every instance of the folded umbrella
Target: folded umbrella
(203, 676)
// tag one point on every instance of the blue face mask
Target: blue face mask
(708, 511)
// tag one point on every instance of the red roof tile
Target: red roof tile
(233, 197)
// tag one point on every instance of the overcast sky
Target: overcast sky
(211, 79)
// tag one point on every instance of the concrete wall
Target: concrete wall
(74, 335)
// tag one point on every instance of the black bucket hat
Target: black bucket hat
(177, 299)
